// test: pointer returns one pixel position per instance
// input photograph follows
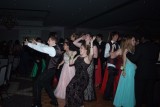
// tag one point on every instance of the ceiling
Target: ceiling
(99, 14)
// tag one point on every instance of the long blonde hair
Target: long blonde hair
(126, 44)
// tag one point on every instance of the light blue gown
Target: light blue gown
(125, 95)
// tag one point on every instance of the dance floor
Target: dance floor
(98, 103)
(20, 95)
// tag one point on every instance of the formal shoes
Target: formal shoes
(55, 103)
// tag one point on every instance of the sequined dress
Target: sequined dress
(76, 87)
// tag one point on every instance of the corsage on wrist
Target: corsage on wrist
(122, 68)
(123, 71)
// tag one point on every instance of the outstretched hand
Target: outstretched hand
(34, 41)
(94, 37)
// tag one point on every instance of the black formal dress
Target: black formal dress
(76, 87)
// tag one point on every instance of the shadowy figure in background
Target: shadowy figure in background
(145, 57)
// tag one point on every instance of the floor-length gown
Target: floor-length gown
(105, 79)
(125, 95)
(98, 76)
(89, 92)
(75, 89)
(67, 74)
(117, 77)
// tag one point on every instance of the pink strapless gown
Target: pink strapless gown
(67, 74)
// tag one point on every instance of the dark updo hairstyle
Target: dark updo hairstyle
(68, 44)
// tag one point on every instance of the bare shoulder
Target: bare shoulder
(74, 52)
(86, 60)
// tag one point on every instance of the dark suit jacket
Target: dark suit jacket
(145, 57)
(101, 49)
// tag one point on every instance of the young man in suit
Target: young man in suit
(111, 46)
(44, 80)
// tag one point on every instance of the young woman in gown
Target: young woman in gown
(75, 89)
(67, 72)
(125, 95)
(89, 93)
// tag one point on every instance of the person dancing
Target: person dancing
(89, 93)
(67, 72)
(75, 89)
(45, 78)
(125, 95)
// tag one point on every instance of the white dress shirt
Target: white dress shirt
(107, 52)
(43, 48)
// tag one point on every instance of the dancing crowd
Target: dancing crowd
(123, 69)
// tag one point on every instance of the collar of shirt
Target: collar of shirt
(113, 42)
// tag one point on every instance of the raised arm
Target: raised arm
(95, 52)
(72, 58)
(41, 44)
(42, 48)
(76, 42)
(92, 49)
(38, 43)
